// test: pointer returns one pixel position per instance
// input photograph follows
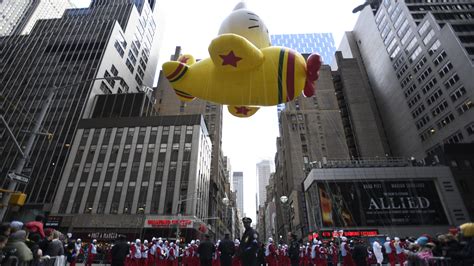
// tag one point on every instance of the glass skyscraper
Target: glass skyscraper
(322, 43)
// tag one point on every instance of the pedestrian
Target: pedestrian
(377, 249)
(16, 244)
(36, 226)
(465, 256)
(55, 247)
(248, 244)
(360, 254)
(226, 247)
(261, 255)
(120, 251)
(206, 250)
(294, 250)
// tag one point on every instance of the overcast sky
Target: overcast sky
(192, 24)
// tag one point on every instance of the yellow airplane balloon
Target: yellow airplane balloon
(244, 71)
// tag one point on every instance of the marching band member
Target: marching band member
(144, 251)
(390, 251)
(346, 253)
(270, 253)
(236, 258)
(400, 250)
(173, 256)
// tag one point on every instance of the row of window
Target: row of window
(433, 97)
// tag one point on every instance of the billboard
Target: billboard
(379, 203)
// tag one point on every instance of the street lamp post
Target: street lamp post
(31, 140)
(179, 213)
(226, 202)
(284, 201)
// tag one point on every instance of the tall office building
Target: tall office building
(19, 16)
(167, 103)
(306, 43)
(238, 179)
(310, 129)
(264, 170)
(124, 162)
(340, 121)
(419, 59)
(110, 38)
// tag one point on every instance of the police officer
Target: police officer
(249, 244)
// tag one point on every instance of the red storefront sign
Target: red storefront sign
(164, 223)
(350, 233)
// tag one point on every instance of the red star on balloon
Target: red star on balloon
(183, 59)
(242, 110)
(230, 59)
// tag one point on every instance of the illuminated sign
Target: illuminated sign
(377, 203)
(159, 223)
(351, 233)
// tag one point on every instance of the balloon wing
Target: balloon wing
(231, 52)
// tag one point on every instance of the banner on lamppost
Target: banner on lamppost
(379, 203)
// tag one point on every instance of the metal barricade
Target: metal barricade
(440, 261)
(11, 261)
(52, 261)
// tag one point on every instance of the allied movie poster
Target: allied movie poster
(378, 203)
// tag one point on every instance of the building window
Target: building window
(138, 80)
(424, 75)
(458, 93)
(140, 72)
(433, 97)
(445, 69)
(411, 45)
(410, 90)
(124, 85)
(303, 137)
(414, 100)
(434, 47)
(439, 108)
(142, 64)
(429, 85)
(415, 54)
(135, 48)
(419, 65)
(406, 36)
(129, 65)
(428, 37)
(402, 29)
(395, 53)
(419, 110)
(439, 58)
(119, 48)
(445, 120)
(455, 138)
(104, 88)
(422, 121)
(424, 27)
(132, 57)
(470, 129)
(114, 70)
(163, 147)
(451, 81)
(398, 21)
(464, 107)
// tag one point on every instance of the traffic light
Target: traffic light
(17, 199)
